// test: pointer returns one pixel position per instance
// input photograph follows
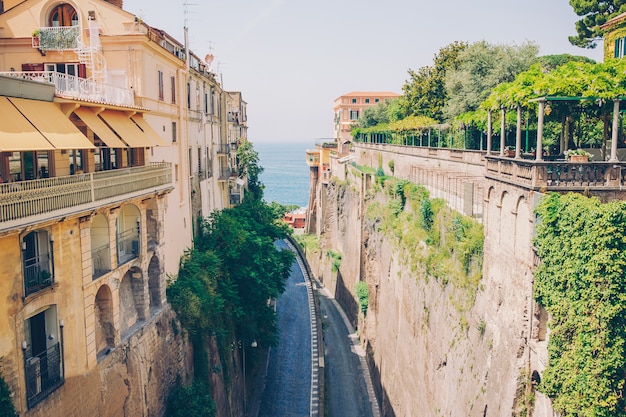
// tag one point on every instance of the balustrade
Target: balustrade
(21, 200)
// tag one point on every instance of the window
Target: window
(128, 228)
(160, 73)
(620, 45)
(63, 15)
(367, 101)
(173, 84)
(105, 158)
(76, 161)
(376, 100)
(173, 132)
(354, 114)
(206, 103)
(43, 364)
(199, 162)
(37, 261)
(188, 95)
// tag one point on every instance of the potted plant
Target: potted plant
(578, 155)
(35, 37)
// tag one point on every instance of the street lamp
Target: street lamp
(245, 392)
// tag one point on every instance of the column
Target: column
(503, 132)
(489, 132)
(542, 106)
(615, 132)
(518, 134)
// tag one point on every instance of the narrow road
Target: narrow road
(288, 380)
(349, 391)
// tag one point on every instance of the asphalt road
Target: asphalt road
(288, 380)
(348, 390)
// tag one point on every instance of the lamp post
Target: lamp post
(245, 392)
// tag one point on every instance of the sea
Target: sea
(285, 172)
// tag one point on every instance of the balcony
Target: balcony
(224, 175)
(101, 260)
(127, 246)
(62, 38)
(43, 374)
(222, 149)
(37, 274)
(71, 86)
(28, 202)
(313, 158)
(557, 175)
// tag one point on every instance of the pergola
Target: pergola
(542, 101)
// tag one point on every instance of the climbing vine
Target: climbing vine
(580, 282)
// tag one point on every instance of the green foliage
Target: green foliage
(308, 243)
(224, 282)
(7, 408)
(248, 163)
(433, 240)
(481, 67)
(594, 14)
(392, 166)
(580, 282)
(335, 260)
(427, 215)
(374, 115)
(190, 400)
(424, 93)
(362, 294)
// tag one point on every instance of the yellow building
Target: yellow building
(111, 144)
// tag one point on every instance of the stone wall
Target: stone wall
(429, 357)
(133, 380)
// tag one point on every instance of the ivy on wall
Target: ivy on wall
(581, 283)
(433, 240)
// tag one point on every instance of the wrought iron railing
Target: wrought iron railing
(127, 246)
(37, 274)
(22, 200)
(222, 148)
(101, 260)
(224, 175)
(43, 374)
(62, 38)
(71, 86)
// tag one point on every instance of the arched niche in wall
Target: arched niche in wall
(103, 314)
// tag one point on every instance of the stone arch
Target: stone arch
(507, 221)
(523, 228)
(103, 314)
(492, 221)
(154, 282)
(152, 223)
(132, 299)
(100, 246)
(128, 233)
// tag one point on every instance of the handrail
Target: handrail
(21, 200)
(71, 86)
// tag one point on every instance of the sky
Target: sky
(292, 59)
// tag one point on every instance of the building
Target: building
(615, 37)
(112, 140)
(349, 107)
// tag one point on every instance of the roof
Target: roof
(611, 22)
(370, 94)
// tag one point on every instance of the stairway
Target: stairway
(91, 56)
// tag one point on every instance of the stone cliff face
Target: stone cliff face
(431, 356)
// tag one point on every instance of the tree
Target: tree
(424, 92)
(375, 115)
(594, 14)
(481, 67)
(248, 163)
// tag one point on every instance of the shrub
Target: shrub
(362, 294)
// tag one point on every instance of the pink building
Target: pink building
(349, 107)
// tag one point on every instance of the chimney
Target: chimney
(117, 3)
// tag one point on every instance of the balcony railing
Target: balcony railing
(222, 149)
(101, 260)
(71, 86)
(43, 374)
(559, 175)
(37, 274)
(127, 246)
(224, 175)
(28, 201)
(62, 38)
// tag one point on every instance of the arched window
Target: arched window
(63, 15)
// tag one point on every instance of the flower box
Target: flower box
(578, 158)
